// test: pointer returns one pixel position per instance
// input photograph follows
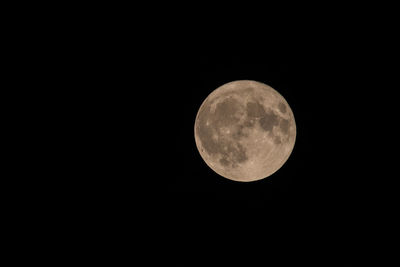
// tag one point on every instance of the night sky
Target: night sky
(118, 90)
(150, 172)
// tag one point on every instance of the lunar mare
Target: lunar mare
(245, 130)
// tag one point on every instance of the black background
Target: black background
(137, 179)
(107, 99)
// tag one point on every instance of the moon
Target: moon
(245, 130)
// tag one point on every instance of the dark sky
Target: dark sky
(150, 172)
(119, 89)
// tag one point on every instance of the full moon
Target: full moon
(245, 130)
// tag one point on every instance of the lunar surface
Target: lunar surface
(245, 130)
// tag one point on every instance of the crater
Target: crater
(233, 154)
(282, 107)
(226, 148)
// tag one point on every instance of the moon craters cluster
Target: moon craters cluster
(216, 133)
